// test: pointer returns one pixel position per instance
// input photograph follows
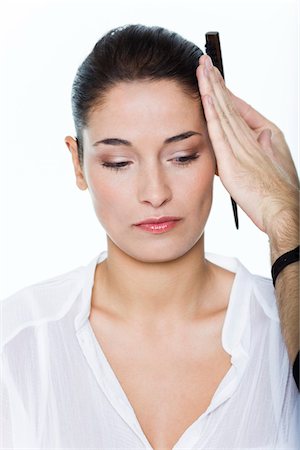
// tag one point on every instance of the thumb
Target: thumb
(265, 139)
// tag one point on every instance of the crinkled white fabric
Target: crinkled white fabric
(60, 392)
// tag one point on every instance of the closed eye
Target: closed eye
(183, 162)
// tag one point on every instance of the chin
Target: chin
(158, 251)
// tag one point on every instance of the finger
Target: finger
(236, 130)
(238, 119)
(227, 104)
(257, 122)
(286, 165)
(213, 84)
(253, 118)
(221, 145)
(218, 137)
(207, 91)
(265, 141)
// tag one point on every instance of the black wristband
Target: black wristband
(283, 261)
(296, 371)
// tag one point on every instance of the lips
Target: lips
(158, 227)
(153, 220)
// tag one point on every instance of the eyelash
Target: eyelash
(188, 161)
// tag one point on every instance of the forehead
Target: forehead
(159, 104)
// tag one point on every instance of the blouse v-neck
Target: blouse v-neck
(59, 391)
(234, 327)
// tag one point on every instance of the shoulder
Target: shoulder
(264, 295)
(261, 304)
(40, 302)
(248, 288)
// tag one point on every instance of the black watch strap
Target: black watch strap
(283, 261)
(296, 370)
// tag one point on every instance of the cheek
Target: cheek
(199, 181)
(199, 192)
(108, 195)
(114, 194)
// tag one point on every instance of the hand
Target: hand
(254, 162)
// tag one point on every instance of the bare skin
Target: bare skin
(162, 296)
(284, 236)
(259, 173)
(157, 290)
(181, 361)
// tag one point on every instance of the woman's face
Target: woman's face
(149, 129)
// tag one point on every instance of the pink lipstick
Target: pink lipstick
(157, 225)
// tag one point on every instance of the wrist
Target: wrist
(290, 257)
(283, 232)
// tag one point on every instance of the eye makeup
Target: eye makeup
(184, 161)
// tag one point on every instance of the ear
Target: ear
(73, 147)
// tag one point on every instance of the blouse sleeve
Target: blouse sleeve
(6, 438)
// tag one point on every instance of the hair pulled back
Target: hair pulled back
(129, 53)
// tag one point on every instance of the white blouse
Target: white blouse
(59, 391)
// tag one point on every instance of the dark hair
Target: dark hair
(127, 53)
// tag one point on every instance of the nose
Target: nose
(154, 186)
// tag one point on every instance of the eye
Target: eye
(183, 162)
(115, 166)
(187, 159)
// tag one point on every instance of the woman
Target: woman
(154, 344)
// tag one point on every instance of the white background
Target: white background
(48, 226)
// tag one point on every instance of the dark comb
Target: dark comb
(213, 49)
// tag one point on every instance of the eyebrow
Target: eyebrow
(178, 137)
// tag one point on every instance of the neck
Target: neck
(152, 291)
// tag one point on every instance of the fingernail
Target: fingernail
(209, 99)
(208, 63)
